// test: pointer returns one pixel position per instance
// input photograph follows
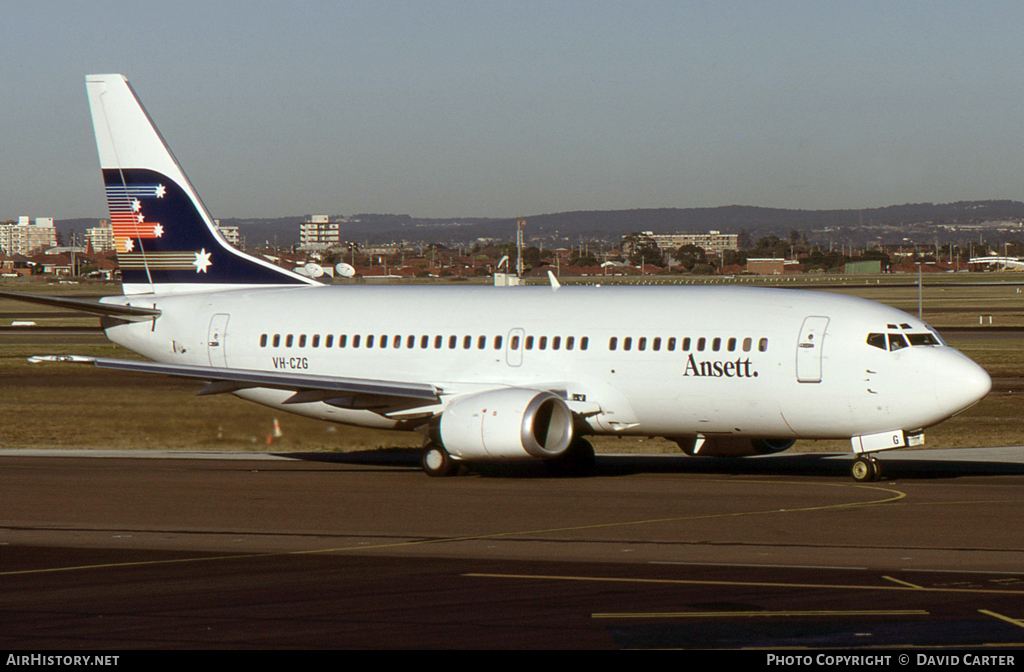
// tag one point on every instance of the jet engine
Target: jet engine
(509, 424)
(731, 446)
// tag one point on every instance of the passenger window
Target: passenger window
(481, 342)
(656, 346)
(672, 344)
(410, 342)
(355, 341)
(627, 343)
(277, 340)
(288, 340)
(762, 345)
(613, 343)
(396, 342)
(343, 341)
(467, 342)
(514, 343)
(747, 342)
(263, 341)
(642, 343)
(584, 342)
(877, 340)
(383, 341)
(424, 342)
(329, 341)
(316, 340)
(570, 341)
(732, 345)
(497, 343)
(453, 341)
(302, 341)
(529, 342)
(369, 341)
(686, 344)
(556, 342)
(716, 344)
(700, 344)
(543, 343)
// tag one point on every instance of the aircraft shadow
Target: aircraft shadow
(827, 465)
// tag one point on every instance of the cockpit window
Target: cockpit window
(893, 342)
(897, 342)
(922, 339)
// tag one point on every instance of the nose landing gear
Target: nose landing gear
(866, 468)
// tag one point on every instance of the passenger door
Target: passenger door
(809, 349)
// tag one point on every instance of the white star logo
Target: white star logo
(158, 230)
(129, 245)
(160, 191)
(202, 261)
(140, 218)
(136, 205)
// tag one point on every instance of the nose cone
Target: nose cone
(959, 382)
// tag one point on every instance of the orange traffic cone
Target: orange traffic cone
(275, 433)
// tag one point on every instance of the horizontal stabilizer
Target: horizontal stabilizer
(127, 313)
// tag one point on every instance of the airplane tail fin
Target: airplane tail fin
(166, 240)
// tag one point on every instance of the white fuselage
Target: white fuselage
(653, 361)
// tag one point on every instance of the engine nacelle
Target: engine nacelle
(507, 424)
(731, 446)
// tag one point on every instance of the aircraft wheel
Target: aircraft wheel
(437, 462)
(864, 470)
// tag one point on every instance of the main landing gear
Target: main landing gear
(866, 468)
(578, 460)
(437, 462)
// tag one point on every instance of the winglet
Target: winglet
(554, 282)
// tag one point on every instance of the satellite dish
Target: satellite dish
(345, 270)
(312, 270)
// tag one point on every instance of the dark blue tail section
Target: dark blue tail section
(162, 239)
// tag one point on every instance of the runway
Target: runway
(107, 550)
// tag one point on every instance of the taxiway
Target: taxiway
(115, 550)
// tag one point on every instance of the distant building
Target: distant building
(230, 233)
(712, 242)
(318, 233)
(100, 238)
(871, 266)
(772, 266)
(27, 236)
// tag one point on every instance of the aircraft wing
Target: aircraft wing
(384, 396)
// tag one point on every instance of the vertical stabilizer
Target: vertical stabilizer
(166, 240)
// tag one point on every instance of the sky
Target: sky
(501, 109)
